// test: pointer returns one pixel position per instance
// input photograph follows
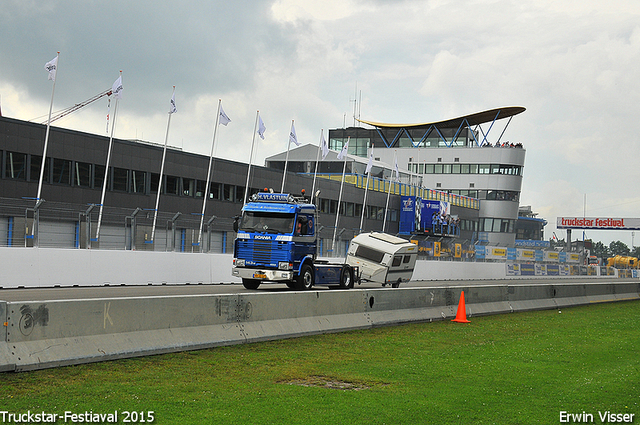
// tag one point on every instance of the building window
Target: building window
(61, 171)
(214, 190)
(188, 187)
(120, 179)
(82, 176)
(36, 166)
(240, 193)
(98, 176)
(324, 205)
(154, 182)
(139, 181)
(229, 192)
(200, 188)
(15, 166)
(497, 225)
(172, 186)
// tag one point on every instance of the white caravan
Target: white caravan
(382, 258)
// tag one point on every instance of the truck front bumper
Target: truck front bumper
(268, 274)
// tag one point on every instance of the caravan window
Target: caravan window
(369, 254)
(407, 258)
(396, 261)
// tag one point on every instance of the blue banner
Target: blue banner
(407, 215)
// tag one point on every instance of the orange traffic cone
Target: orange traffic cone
(461, 315)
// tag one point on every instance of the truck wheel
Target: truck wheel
(250, 283)
(305, 278)
(346, 278)
(397, 284)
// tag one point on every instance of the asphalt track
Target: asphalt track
(134, 291)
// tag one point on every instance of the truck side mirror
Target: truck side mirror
(236, 221)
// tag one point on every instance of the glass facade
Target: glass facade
(361, 138)
(81, 174)
(504, 169)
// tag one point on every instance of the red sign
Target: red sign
(598, 223)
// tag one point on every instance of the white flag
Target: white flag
(324, 147)
(370, 163)
(292, 136)
(172, 105)
(224, 119)
(51, 67)
(343, 152)
(116, 88)
(261, 127)
(396, 170)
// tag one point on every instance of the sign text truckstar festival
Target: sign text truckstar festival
(598, 223)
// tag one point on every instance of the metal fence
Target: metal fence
(25, 223)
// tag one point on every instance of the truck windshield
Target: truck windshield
(267, 222)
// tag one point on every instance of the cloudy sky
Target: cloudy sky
(574, 65)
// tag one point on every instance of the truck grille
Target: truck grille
(266, 253)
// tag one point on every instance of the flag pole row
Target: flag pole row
(221, 119)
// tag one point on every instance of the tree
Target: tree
(619, 248)
(600, 250)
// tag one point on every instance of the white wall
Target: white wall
(30, 267)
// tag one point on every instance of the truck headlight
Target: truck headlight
(238, 262)
(285, 265)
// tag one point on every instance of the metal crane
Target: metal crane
(77, 106)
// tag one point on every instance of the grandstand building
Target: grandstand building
(455, 156)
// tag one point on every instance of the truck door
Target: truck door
(304, 236)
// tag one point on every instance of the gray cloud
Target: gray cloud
(571, 64)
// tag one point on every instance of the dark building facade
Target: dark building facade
(72, 187)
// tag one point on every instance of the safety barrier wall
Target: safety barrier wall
(46, 334)
(32, 267)
(38, 267)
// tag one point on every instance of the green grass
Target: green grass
(520, 368)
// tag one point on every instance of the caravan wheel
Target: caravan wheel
(397, 284)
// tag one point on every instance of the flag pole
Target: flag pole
(253, 142)
(284, 174)
(46, 137)
(366, 188)
(386, 208)
(335, 228)
(206, 192)
(315, 172)
(106, 167)
(164, 155)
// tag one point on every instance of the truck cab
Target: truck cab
(276, 238)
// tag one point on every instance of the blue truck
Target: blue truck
(277, 241)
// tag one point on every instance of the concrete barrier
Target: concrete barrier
(44, 334)
(39, 267)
